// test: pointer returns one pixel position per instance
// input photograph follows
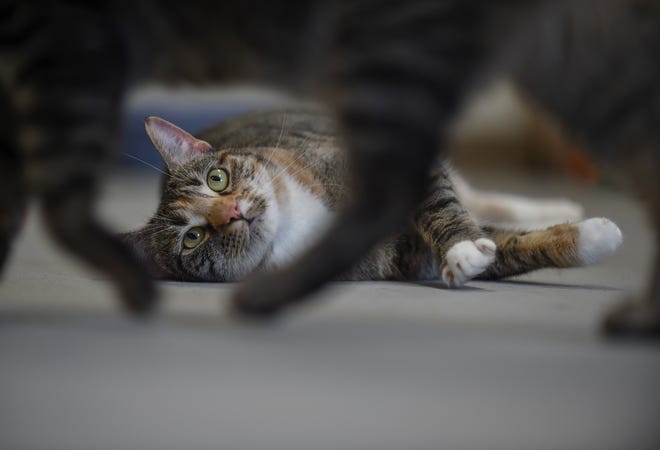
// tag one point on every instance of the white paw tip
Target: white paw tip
(599, 238)
(467, 259)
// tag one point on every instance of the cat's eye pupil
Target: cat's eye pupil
(193, 237)
(218, 180)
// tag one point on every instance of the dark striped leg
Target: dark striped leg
(640, 318)
(567, 79)
(394, 88)
(75, 76)
(12, 187)
(66, 189)
(391, 156)
(68, 215)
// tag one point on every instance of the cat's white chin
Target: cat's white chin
(598, 239)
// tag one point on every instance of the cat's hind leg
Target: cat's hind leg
(515, 210)
(560, 246)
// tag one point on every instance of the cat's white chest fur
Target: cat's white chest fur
(302, 220)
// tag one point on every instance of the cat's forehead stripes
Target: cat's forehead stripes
(241, 165)
(183, 203)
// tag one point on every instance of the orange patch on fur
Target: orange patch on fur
(295, 167)
(559, 243)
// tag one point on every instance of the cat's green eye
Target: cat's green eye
(218, 180)
(193, 237)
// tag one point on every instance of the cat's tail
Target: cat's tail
(566, 245)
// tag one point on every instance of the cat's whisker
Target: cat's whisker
(279, 139)
(160, 225)
(301, 154)
(159, 231)
(188, 174)
(274, 149)
(142, 161)
(308, 166)
(167, 221)
(342, 186)
(164, 219)
(296, 159)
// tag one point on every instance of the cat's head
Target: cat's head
(217, 216)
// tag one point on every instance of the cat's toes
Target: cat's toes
(467, 259)
(598, 238)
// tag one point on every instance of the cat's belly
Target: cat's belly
(303, 219)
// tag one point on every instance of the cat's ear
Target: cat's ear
(175, 145)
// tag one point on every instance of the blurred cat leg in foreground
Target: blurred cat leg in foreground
(387, 183)
(68, 215)
(640, 317)
(394, 94)
(67, 137)
(12, 196)
(619, 53)
(637, 317)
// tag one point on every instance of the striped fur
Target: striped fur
(392, 72)
(288, 179)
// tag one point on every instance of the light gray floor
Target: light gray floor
(375, 365)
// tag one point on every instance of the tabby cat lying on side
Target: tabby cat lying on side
(254, 192)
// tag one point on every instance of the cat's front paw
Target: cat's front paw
(467, 259)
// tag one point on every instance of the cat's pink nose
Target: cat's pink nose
(234, 213)
(222, 214)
